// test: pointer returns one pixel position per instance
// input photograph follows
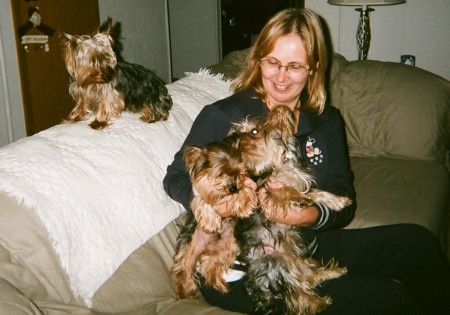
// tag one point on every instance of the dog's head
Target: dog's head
(90, 59)
(267, 142)
(218, 175)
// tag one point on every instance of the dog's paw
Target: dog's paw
(205, 215)
(330, 200)
(245, 205)
(184, 281)
(327, 272)
(335, 272)
(155, 112)
(98, 125)
(186, 289)
(244, 212)
(211, 223)
(338, 203)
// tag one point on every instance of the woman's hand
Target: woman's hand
(306, 217)
(222, 208)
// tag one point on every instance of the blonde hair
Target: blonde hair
(306, 24)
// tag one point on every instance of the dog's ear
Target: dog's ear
(232, 138)
(69, 44)
(281, 117)
(106, 27)
(112, 30)
(195, 159)
(65, 37)
(65, 42)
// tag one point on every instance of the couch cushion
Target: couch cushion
(392, 191)
(143, 285)
(391, 109)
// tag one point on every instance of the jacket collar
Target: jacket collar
(307, 123)
(308, 119)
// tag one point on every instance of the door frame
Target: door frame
(12, 119)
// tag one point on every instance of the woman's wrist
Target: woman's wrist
(310, 216)
(306, 217)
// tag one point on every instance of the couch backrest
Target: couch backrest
(391, 109)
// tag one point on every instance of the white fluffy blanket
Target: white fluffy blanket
(99, 193)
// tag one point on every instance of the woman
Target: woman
(398, 269)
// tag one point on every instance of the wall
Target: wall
(195, 35)
(416, 27)
(144, 32)
(170, 37)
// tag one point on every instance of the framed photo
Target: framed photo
(408, 60)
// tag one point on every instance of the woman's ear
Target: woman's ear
(317, 64)
(311, 71)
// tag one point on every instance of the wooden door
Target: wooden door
(43, 75)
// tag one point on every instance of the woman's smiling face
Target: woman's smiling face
(283, 86)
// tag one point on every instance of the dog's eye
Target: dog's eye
(254, 131)
(232, 189)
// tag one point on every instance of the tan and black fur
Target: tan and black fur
(105, 87)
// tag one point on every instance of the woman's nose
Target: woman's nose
(282, 74)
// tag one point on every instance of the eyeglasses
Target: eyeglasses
(293, 68)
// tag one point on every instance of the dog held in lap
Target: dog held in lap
(105, 87)
(206, 240)
(280, 274)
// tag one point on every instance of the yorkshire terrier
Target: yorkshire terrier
(280, 275)
(271, 154)
(218, 177)
(104, 86)
(206, 242)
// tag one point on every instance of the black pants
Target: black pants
(395, 269)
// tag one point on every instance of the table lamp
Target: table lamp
(363, 32)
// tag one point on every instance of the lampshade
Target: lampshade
(365, 2)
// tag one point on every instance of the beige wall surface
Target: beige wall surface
(144, 32)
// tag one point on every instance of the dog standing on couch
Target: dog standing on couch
(104, 86)
(280, 275)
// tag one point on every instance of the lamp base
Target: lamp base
(363, 33)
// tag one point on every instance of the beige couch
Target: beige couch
(398, 123)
